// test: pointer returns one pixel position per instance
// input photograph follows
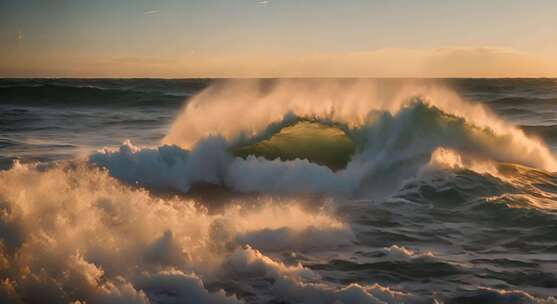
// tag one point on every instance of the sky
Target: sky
(278, 38)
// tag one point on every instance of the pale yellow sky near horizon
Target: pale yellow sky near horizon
(443, 62)
(279, 38)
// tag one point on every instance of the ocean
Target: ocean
(278, 190)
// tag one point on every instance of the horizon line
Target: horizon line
(275, 77)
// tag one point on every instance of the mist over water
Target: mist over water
(278, 191)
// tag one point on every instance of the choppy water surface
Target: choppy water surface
(278, 191)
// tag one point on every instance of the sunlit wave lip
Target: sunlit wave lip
(239, 109)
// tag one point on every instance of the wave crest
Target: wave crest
(246, 108)
(389, 146)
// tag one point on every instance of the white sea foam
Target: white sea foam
(103, 242)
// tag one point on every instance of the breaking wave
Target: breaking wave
(291, 139)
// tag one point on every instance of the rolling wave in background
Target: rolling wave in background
(278, 191)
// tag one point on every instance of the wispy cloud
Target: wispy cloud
(150, 12)
(263, 2)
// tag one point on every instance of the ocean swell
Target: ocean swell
(337, 192)
(60, 95)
